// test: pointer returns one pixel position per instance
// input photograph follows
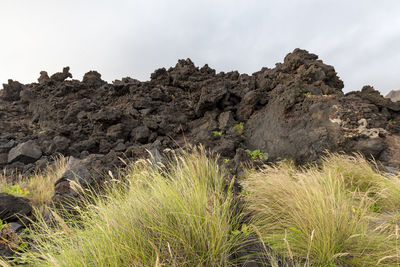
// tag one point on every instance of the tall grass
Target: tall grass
(39, 188)
(330, 215)
(179, 215)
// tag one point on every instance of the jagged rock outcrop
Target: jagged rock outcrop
(307, 113)
(26, 152)
(394, 95)
(82, 174)
(296, 110)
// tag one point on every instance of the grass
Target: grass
(342, 213)
(38, 188)
(181, 215)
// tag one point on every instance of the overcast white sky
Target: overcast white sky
(119, 38)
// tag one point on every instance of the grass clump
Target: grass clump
(337, 214)
(179, 215)
(39, 188)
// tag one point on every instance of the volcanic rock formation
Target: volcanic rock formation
(296, 110)
(394, 95)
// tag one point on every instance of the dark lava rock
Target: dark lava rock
(82, 174)
(61, 76)
(26, 152)
(307, 114)
(61, 143)
(3, 159)
(11, 91)
(141, 134)
(394, 95)
(14, 209)
(44, 77)
(4, 148)
(295, 110)
(93, 79)
(226, 120)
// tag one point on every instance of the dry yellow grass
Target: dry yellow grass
(39, 188)
(327, 215)
(182, 215)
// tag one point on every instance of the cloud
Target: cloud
(132, 38)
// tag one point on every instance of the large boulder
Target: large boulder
(394, 95)
(61, 76)
(307, 114)
(80, 174)
(13, 208)
(26, 152)
(93, 79)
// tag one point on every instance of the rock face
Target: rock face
(394, 95)
(296, 110)
(11, 90)
(13, 209)
(87, 173)
(307, 114)
(26, 152)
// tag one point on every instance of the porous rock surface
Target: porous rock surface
(296, 110)
(394, 95)
(14, 209)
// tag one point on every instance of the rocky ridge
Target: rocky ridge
(296, 110)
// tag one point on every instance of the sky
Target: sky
(120, 38)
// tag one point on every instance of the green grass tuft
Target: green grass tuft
(181, 215)
(38, 188)
(329, 215)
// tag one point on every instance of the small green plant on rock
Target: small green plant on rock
(257, 154)
(17, 190)
(307, 94)
(2, 225)
(238, 127)
(217, 133)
